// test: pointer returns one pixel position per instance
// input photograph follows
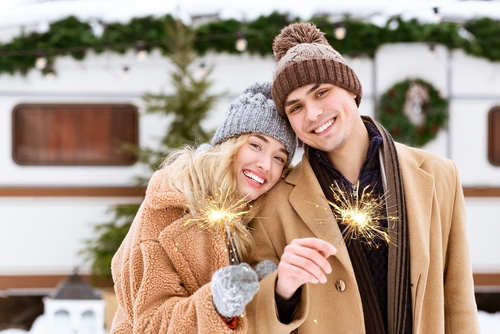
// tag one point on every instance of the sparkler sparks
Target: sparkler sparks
(360, 214)
(222, 213)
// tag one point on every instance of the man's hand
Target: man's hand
(303, 261)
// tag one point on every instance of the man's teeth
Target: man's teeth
(324, 126)
(254, 177)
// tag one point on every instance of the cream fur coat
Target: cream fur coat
(162, 270)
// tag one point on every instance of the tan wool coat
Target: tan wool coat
(162, 270)
(442, 287)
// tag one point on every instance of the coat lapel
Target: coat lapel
(311, 205)
(309, 202)
(418, 187)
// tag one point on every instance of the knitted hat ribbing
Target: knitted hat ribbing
(255, 112)
(304, 57)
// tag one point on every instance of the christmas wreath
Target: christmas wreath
(413, 111)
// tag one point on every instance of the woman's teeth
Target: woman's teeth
(254, 177)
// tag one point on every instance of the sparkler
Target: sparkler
(360, 214)
(222, 213)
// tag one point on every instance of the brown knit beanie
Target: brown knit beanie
(304, 57)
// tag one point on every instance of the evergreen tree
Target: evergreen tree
(187, 107)
(190, 104)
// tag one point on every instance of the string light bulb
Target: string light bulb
(140, 47)
(40, 61)
(432, 49)
(97, 27)
(393, 25)
(437, 16)
(339, 31)
(49, 72)
(241, 43)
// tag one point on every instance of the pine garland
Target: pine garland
(75, 38)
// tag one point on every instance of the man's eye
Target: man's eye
(321, 93)
(293, 109)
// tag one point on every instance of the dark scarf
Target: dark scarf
(390, 313)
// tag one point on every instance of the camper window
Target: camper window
(67, 134)
(494, 136)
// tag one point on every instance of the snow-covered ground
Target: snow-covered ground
(489, 324)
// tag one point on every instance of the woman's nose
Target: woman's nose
(264, 163)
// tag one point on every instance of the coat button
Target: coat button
(340, 285)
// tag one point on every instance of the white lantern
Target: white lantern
(74, 307)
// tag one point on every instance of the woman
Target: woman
(172, 273)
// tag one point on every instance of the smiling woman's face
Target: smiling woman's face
(258, 165)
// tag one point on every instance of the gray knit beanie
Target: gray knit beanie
(304, 57)
(254, 111)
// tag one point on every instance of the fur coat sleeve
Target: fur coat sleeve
(162, 270)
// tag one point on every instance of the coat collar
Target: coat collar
(159, 195)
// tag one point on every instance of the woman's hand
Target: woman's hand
(233, 287)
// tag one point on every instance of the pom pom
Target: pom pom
(202, 148)
(294, 34)
(263, 88)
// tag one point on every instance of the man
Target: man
(413, 275)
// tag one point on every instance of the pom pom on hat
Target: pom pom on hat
(304, 57)
(295, 34)
(203, 147)
(256, 88)
(254, 111)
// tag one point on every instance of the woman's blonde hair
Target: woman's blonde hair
(207, 173)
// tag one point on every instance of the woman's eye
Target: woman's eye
(255, 145)
(280, 159)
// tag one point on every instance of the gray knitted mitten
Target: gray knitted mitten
(232, 288)
(264, 268)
